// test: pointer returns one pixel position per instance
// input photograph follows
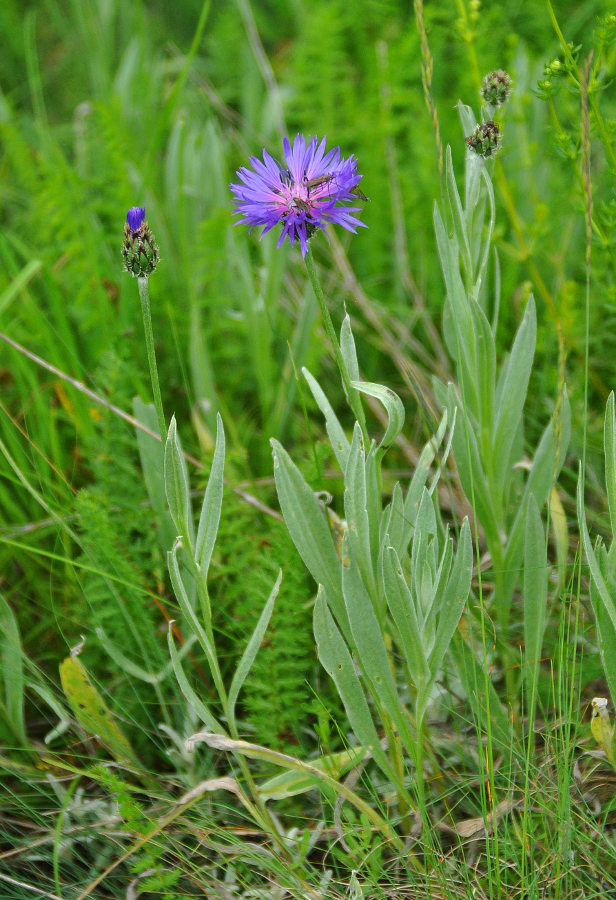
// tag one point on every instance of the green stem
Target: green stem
(352, 393)
(144, 295)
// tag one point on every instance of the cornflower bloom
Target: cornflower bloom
(303, 196)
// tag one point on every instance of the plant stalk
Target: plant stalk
(144, 296)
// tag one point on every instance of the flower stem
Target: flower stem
(144, 295)
(351, 392)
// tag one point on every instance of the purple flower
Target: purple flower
(303, 196)
(135, 217)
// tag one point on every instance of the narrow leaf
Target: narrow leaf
(177, 487)
(393, 407)
(457, 214)
(339, 441)
(402, 609)
(252, 648)
(535, 596)
(513, 386)
(308, 527)
(356, 511)
(11, 671)
(91, 711)
(609, 444)
(335, 658)
(293, 782)
(208, 719)
(453, 600)
(212, 503)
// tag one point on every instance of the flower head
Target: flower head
(485, 139)
(309, 191)
(139, 248)
(495, 88)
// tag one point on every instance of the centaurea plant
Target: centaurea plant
(312, 189)
(395, 580)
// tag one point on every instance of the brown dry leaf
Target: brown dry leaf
(476, 826)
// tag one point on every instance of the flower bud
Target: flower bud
(139, 249)
(495, 88)
(485, 139)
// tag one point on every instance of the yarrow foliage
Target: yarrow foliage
(303, 196)
(139, 249)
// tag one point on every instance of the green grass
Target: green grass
(105, 105)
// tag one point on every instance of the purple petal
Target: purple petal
(135, 217)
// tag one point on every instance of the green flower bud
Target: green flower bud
(139, 249)
(496, 88)
(485, 139)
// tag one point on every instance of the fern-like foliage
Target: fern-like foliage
(276, 695)
(122, 567)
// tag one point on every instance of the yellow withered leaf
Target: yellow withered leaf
(601, 727)
(91, 711)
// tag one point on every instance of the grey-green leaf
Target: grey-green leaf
(188, 691)
(177, 487)
(339, 441)
(393, 408)
(252, 648)
(308, 528)
(212, 503)
(338, 663)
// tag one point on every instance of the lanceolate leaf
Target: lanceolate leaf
(451, 607)
(511, 394)
(252, 648)
(402, 609)
(356, 509)
(339, 441)
(212, 503)
(11, 673)
(369, 643)
(393, 408)
(609, 444)
(336, 660)
(308, 528)
(294, 782)
(91, 711)
(191, 696)
(176, 484)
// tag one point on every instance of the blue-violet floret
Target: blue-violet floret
(302, 196)
(135, 217)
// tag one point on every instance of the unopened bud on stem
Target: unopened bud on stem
(139, 249)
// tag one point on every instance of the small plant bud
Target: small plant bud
(485, 139)
(496, 88)
(139, 249)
